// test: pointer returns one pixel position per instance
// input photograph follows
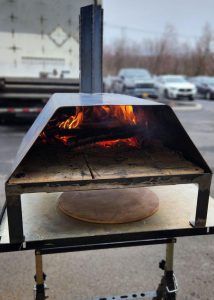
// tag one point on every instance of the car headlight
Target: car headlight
(173, 89)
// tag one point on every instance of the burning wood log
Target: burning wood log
(79, 137)
(105, 135)
(88, 131)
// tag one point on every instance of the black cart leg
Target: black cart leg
(39, 278)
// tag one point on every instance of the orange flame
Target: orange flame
(73, 121)
(122, 113)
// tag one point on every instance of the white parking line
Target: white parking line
(197, 106)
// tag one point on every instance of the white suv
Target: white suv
(175, 87)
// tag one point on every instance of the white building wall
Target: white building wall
(40, 36)
(35, 55)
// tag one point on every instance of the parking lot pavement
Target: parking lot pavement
(86, 274)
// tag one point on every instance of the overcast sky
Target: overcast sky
(151, 16)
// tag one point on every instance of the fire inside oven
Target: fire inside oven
(107, 126)
(109, 133)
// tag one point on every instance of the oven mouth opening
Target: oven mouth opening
(107, 126)
(111, 142)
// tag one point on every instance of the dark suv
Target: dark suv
(205, 86)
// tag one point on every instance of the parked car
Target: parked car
(175, 87)
(205, 86)
(135, 82)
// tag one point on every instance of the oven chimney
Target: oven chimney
(91, 49)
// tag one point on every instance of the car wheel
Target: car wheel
(191, 98)
(208, 96)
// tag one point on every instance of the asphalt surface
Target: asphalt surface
(86, 274)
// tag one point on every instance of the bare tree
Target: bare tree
(162, 55)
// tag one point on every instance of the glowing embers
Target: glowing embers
(131, 142)
(103, 126)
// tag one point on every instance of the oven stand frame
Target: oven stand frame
(14, 207)
(167, 289)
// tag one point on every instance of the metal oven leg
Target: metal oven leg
(14, 212)
(168, 287)
(40, 277)
(203, 200)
